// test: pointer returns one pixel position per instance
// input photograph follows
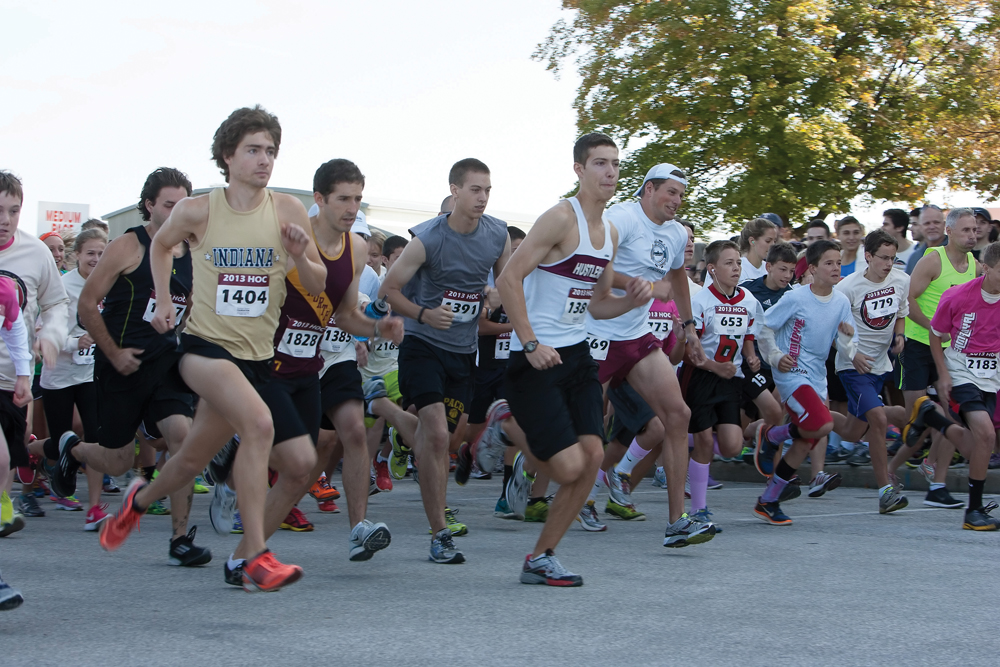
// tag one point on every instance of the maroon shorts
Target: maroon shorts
(623, 355)
(807, 410)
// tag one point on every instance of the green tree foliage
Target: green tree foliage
(791, 107)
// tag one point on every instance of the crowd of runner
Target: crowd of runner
(239, 345)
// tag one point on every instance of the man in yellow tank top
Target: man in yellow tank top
(940, 267)
(243, 241)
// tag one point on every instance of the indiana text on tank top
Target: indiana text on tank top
(131, 303)
(302, 324)
(558, 295)
(239, 278)
(454, 273)
(928, 301)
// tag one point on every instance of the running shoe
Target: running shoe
(382, 479)
(373, 388)
(296, 521)
(994, 461)
(10, 598)
(184, 552)
(619, 487)
(200, 486)
(771, 513)
(837, 454)
(63, 478)
(763, 452)
(536, 512)
(746, 454)
(116, 530)
(625, 512)
(96, 515)
(713, 485)
(372, 485)
(443, 549)
(503, 510)
(687, 530)
(328, 507)
(321, 490)
(546, 569)
(28, 506)
(456, 527)
(70, 504)
(892, 500)
(233, 577)
(958, 461)
(263, 573)
(464, 467)
(158, 508)
(15, 524)
(917, 423)
(941, 498)
(927, 470)
(519, 487)
(792, 490)
(705, 516)
(660, 478)
(367, 538)
(492, 443)
(452, 458)
(860, 456)
(237, 524)
(479, 474)
(822, 483)
(980, 519)
(222, 509)
(587, 518)
(221, 465)
(110, 485)
(400, 455)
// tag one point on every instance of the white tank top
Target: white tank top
(558, 295)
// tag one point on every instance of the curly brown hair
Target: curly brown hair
(239, 124)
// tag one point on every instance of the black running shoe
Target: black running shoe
(221, 465)
(184, 552)
(63, 477)
(464, 466)
(941, 498)
(233, 577)
(792, 490)
(980, 519)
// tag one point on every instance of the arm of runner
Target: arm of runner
(187, 220)
(943, 383)
(299, 244)
(53, 303)
(769, 347)
(679, 337)
(682, 297)
(16, 338)
(349, 316)
(502, 260)
(750, 354)
(926, 271)
(898, 335)
(119, 257)
(488, 327)
(412, 258)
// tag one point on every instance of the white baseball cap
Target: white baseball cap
(663, 171)
(361, 225)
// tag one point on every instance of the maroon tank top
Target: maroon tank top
(303, 318)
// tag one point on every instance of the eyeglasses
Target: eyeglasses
(884, 258)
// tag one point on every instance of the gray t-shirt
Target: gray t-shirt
(455, 272)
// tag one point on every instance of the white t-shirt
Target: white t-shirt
(73, 366)
(645, 250)
(750, 272)
(875, 307)
(903, 256)
(724, 323)
(369, 283)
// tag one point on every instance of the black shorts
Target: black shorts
(295, 406)
(59, 410)
(14, 422)
(713, 400)
(257, 373)
(36, 387)
(754, 384)
(834, 387)
(339, 384)
(428, 374)
(970, 398)
(489, 387)
(632, 413)
(556, 406)
(152, 393)
(919, 371)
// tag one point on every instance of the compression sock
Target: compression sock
(698, 479)
(778, 434)
(938, 422)
(779, 480)
(976, 493)
(634, 454)
(51, 449)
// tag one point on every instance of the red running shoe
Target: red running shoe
(297, 521)
(263, 573)
(382, 479)
(116, 530)
(328, 507)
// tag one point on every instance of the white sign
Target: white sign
(61, 217)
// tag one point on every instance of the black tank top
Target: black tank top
(130, 302)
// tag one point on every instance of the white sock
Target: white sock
(234, 563)
(634, 454)
(936, 486)
(595, 488)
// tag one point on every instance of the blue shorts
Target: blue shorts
(862, 391)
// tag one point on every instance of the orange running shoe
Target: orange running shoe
(264, 574)
(322, 490)
(297, 521)
(328, 507)
(115, 531)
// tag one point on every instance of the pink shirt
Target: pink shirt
(973, 324)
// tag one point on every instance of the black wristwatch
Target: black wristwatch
(691, 321)
(530, 346)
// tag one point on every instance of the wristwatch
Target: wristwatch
(530, 346)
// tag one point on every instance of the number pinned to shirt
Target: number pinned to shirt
(982, 365)
(242, 294)
(84, 356)
(598, 347)
(577, 303)
(463, 305)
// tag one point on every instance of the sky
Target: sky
(99, 94)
